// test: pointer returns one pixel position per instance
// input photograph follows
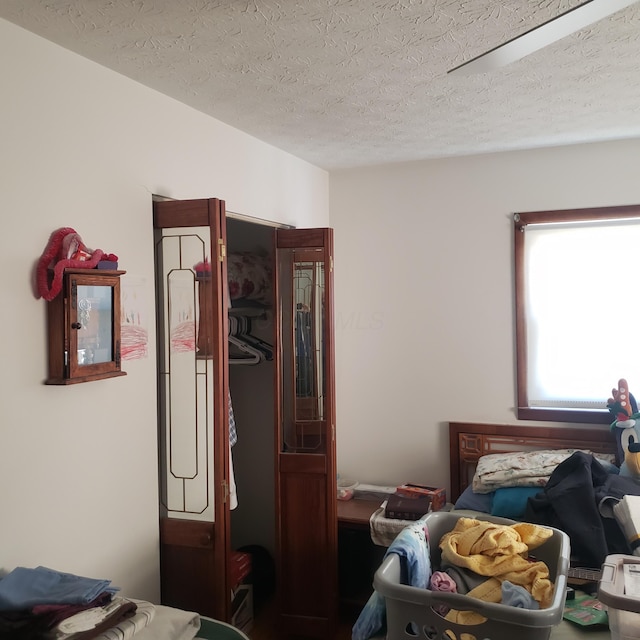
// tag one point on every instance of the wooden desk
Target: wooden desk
(358, 557)
(355, 514)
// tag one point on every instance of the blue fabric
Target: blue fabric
(516, 596)
(233, 434)
(25, 588)
(475, 501)
(412, 545)
(511, 502)
(609, 466)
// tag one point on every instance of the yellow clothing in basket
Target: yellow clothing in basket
(499, 551)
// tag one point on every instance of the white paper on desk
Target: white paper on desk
(372, 491)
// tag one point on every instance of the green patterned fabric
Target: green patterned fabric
(216, 630)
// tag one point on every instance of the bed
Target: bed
(119, 618)
(170, 623)
(469, 442)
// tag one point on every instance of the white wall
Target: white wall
(84, 147)
(424, 294)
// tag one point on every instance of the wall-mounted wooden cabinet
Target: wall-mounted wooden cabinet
(84, 327)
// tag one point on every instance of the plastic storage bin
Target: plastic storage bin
(624, 610)
(411, 614)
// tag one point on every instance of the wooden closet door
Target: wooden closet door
(193, 404)
(305, 441)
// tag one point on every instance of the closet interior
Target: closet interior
(250, 275)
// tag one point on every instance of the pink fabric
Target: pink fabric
(440, 581)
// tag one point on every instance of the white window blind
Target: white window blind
(582, 311)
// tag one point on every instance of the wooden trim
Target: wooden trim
(575, 215)
(186, 533)
(582, 416)
(521, 325)
(302, 238)
(180, 213)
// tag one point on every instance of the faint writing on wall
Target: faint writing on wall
(134, 321)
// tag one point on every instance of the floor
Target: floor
(264, 626)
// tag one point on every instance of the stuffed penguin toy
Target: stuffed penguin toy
(626, 427)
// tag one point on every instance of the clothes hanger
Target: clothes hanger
(254, 341)
(240, 329)
(254, 356)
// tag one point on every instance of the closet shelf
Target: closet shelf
(250, 311)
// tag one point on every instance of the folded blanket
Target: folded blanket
(496, 551)
(517, 469)
(91, 623)
(145, 612)
(25, 588)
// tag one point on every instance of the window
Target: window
(577, 299)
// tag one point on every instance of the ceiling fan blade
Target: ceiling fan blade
(541, 36)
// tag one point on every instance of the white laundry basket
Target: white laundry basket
(412, 615)
(623, 608)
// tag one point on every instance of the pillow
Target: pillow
(474, 501)
(249, 277)
(511, 502)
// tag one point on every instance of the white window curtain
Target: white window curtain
(582, 308)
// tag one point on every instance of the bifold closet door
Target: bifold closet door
(305, 424)
(190, 266)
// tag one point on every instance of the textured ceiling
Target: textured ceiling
(345, 83)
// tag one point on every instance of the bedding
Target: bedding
(250, 278)
(169, 623)
(468, 442)
(518, 469)
(506, 502)
(570, 497)
(575, 500)
(155, 622)
(54, 605)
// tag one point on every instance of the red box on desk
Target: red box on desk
(438, 495)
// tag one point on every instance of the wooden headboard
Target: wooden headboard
(469, 441)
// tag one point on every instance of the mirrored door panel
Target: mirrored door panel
(302, 282)
(186, 373)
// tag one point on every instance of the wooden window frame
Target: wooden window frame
(521, 220)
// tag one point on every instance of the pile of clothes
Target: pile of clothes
(490, 562)
(477, 558)
(42, 603)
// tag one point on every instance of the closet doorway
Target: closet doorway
(234, 360)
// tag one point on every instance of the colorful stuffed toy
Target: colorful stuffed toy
(65, 249)
(627, 429)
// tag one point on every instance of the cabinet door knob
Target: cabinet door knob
(76, 325)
